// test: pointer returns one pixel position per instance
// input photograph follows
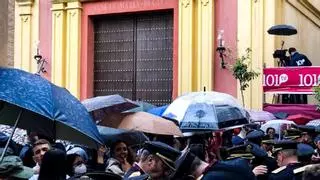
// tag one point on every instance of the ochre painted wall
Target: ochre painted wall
(90, 9)
(226, 20)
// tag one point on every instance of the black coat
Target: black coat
(287, 173)
(298, 59)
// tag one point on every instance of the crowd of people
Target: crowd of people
(243, 153)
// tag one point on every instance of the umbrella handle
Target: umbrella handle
(11, 135)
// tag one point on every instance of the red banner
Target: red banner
(295, 80)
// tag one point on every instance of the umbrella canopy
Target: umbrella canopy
(112, 135)
(31, 102)
(206, 111)
(282, 29)
(158, 111)
(102, 105)
(315, 123)
(142, 106)
(300, 119)
(19, 134)
(278, 125)
(142, 121)
(260, 115)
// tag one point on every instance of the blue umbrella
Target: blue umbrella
(112, 135)
(31, 102)
(206, 111)
(158, 111)
(143, 106)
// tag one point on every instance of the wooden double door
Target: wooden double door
(133, 56)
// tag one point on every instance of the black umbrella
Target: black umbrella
(282, 29)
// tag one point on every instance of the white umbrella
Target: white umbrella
(277, 125)
(206, 111)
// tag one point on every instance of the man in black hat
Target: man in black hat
(156, 162)
(188, 166)
(287, 159)
(255, 136)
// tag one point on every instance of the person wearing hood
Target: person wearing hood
(76, 162)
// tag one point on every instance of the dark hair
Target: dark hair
(41, 141)
(53, 166)
(289, 152)
(312, 173)
(130, 157)
(269, 129)
(198, 150)
(144, 155)
(292, 49)
(69, 164)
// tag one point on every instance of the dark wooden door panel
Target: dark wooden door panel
(133, 56)
(154, 57)
(113, 56)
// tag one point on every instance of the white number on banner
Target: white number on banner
(274, 79)
(309, 79)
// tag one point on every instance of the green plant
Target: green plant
(316, 91)
(240, 70)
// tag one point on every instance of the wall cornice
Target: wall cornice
(307, 9)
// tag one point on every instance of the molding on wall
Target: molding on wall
(63, 1)
(185, 3)
(306, 9)
(24, 1)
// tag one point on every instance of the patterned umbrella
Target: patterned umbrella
(31, 102)
(315, 122)
(206, 111)
(19, 135)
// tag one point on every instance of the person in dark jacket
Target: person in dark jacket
(297, 59)
(188, 166)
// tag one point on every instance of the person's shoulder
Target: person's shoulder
(279, 170)
(34, 177)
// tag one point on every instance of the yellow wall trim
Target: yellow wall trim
(195, 45)
(73, 37)
(58, 64)
(186, 51)
(26, 34)
(205, 45)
